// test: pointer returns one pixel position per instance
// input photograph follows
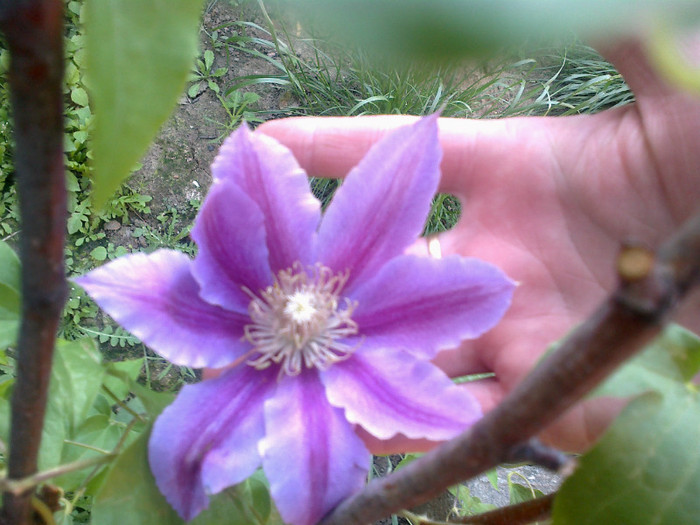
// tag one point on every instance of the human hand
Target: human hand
(549, 200)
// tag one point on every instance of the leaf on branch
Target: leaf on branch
(646, 468)
(139, 55)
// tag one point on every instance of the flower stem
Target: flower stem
(34, 33)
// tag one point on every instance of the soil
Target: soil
(175, 172)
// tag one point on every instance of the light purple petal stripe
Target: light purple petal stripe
(311, 455)
(424, 305)
(156, 298)
(207, 439)
(230, 234)
(270, 175)
(386, 391)
(383, 204)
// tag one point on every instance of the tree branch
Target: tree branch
(622, 325)
(34, 31)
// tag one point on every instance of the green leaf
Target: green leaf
(121, 375)
(644, 470)
(139, 55)
(194, 90)
(99, 253)
(98, 432)
(78, 374)
(153, 402)
(646, 467)
(469, 505)
(10, 270)
(208, 59)
(79, 96)
(439, 29)
(129, 493)
(672, 358)
(9, 328)
(519, 493)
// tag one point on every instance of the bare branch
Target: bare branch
(622, 325)
(34, 31)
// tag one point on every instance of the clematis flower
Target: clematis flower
(325, 325)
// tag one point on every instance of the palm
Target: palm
(548, 200)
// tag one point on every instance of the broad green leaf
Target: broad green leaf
(78, 371)
(96, 432)
(76, 377)
(129, 493)
(79, 96)
(645, 469)
(99, 253)
(671, 358)
(439, 29)
(139, 55)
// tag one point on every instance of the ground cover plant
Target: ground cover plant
(99, 412)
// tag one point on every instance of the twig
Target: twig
(622, 325)
(34, 32)
(123, 405)
(23, 486)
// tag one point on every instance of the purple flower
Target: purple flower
(325, 324)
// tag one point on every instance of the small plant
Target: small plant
(204, 76)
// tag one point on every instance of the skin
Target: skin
(548, 200)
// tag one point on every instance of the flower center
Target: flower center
(299, 322)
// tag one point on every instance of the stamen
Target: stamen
(297, 322)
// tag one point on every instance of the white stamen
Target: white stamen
(297, 321)
(300, 307)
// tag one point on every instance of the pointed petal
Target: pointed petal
(156, 298)
(207, 439)
(311, 455)
(230, 234)
(383, 204)
(387, 391)
(425, 305)
(270, 175)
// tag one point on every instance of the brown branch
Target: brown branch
(34, 31)
(622, 325)
(520, 514)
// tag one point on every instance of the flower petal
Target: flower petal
(156, 298)
(387, 391)
(230, 234)
(311, 455)
(270, 175)
(207, 439)
(383, 204)
(425, 305)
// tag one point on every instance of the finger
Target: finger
(331, 146)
